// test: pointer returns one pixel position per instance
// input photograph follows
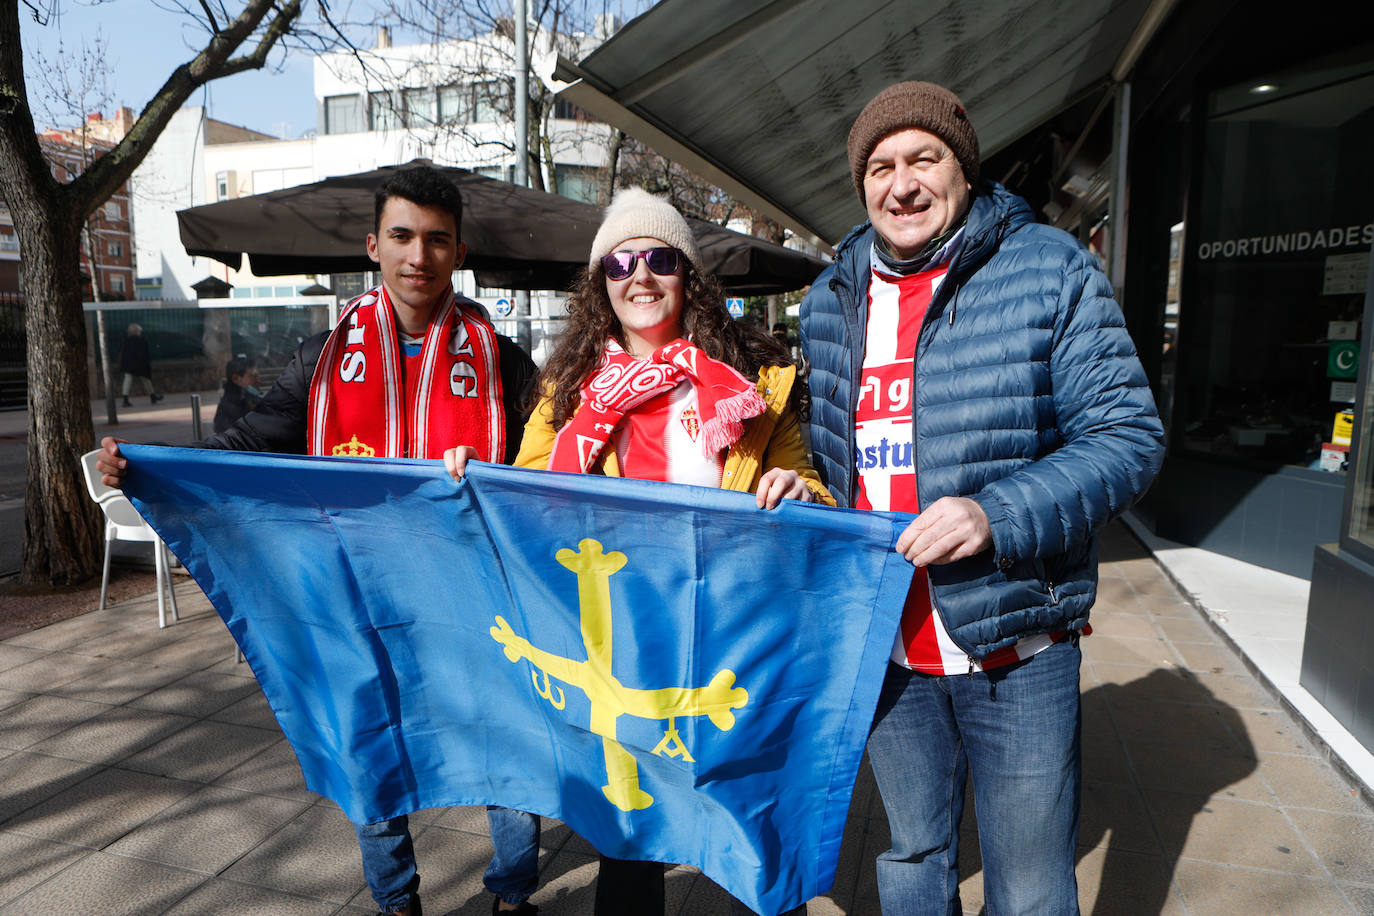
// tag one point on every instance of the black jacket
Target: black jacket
(278, 422)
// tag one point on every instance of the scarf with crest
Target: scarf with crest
(620, 383)
(367, 399)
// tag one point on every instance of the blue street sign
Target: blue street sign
(735, 307)
(504, 307)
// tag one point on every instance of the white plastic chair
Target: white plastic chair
(123, 523)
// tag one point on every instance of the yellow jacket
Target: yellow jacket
(771, 440)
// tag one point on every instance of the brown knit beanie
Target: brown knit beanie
(914, 104)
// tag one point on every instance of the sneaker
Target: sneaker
(156, 398)
(524, 909)
(128, 403)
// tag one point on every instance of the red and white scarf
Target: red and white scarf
(366, 399)
(725, 399)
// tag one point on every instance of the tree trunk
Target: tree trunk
(614, 142)
(62, 526)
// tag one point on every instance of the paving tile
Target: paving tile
(49, 671)
(203, 751)
(1360, 897)
(199, 693)
(1169, 604)
(194, 652)
(108, 885)
(26, 723)
(567, 885)
(1197, 771)
(207, 830)
(101, 808)
(1115, 882)
(1240, 691)
(1182, 629)
(1153, 652)
(1275, 730)
(126, 642)
(1216, 659)
(1310, 782)
(1230, 833)
(252, 711)
(1116, 816)
(1209, 889)
(1109, 673)
(68, 634)
(314, 855)
(30, 861)
(227, 898)
(13, 655)
(1122, 626)
(273, 771)
(1140, 719)
(112, 735)
(1344, 842)
(10, 697)
(118, 681)
(28, 779)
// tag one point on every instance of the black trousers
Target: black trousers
(628, 888)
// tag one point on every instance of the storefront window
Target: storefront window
(1362, 487)
(1269, 325)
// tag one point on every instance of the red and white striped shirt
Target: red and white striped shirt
(884, 455)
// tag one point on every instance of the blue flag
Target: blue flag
(674, 673)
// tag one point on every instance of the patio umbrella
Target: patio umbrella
(517, 238)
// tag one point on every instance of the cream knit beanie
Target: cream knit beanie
(635, 213)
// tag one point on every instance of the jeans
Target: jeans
(389, 858)
(1015, 730)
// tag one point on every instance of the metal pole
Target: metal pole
(524, 330)
(195, 418)
(1121, 141)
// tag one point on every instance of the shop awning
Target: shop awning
(757, 96)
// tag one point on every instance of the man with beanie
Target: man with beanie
(971, 365)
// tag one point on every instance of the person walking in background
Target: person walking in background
(972, 365)
(240, 393)
(136, 363)
(651, 378)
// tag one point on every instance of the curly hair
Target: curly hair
(705, 321)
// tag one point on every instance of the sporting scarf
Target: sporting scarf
(620, 383)
(366, 400)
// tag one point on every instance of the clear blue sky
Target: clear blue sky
(144, 43)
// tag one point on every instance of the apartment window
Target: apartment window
(343, 114)
(117, 284)
(455, 104)
(419, 105)
(494, 100)
(115, 249)
(112, 210)
(381, 112)
(222, 186)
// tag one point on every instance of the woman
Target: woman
(651, 365)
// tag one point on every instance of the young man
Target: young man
(972, 365)
(240, 393)
(411, 370)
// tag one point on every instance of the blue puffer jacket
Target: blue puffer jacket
(1029, 399)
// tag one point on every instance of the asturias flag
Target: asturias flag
(674, 673)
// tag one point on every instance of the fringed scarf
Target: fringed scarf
(366, 399)
(725, 399)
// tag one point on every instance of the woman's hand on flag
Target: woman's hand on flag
(778, 484)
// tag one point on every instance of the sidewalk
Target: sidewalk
(141, 772)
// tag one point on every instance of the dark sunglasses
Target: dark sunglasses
(620, 264)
